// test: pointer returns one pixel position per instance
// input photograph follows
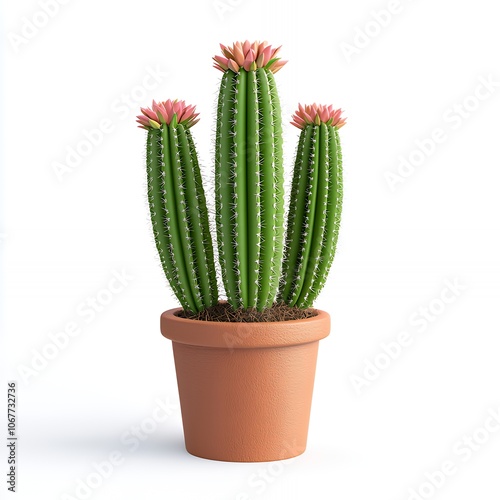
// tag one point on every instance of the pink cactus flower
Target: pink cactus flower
(317, 114)
(248, 56)
(163, 113)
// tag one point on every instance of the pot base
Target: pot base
(245, 405)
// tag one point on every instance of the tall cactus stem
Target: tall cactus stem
(249, 180)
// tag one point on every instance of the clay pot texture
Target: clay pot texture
(245, 389)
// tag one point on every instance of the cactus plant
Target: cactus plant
(177, 204)
(249, 174)
(258, 266)
(315, 205)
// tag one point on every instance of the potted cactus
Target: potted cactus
(245, 365)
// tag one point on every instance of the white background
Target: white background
(63, 238)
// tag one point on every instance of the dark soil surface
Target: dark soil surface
(224, 312)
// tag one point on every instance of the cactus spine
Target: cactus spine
(315, 206)
(177, 205)
(249, 177)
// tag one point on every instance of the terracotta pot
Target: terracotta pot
(245, 388)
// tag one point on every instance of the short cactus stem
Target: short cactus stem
(315, 206)
(177, 204)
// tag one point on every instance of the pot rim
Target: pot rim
(218, 334)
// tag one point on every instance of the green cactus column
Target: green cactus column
(315, 206)
(177, 204)
(249, 176)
